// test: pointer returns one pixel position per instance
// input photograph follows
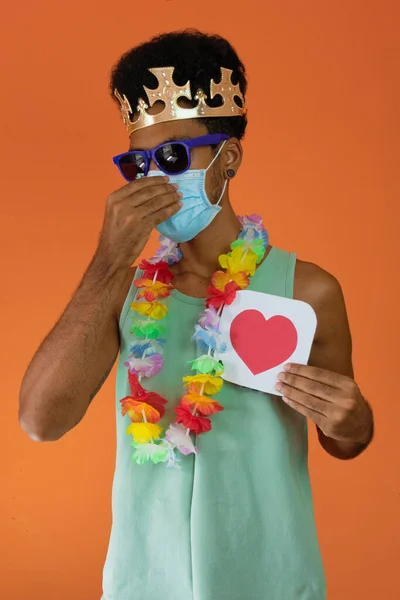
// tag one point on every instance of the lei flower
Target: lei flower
(210, 383)
(217, 298)
(196, 424)
(152, 290)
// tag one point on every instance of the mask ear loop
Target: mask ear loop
(216, 156)
(226, 181)
(222, 193)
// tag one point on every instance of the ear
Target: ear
(233, 153)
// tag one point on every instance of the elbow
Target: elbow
(35, 430)
(31, 431)
(36, 426)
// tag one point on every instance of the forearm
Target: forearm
(56, 389)
(345, 450)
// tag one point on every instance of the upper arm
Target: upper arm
(111, 342)
(107, 356)
(332, 346)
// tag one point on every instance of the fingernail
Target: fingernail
(175, 185)
(180, 194)
(278, 387)
(287, 367)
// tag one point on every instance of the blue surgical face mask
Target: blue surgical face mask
(197, 211)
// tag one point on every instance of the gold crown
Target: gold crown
(169, 93)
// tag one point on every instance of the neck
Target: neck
(200, 255)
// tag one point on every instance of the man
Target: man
(232, 517)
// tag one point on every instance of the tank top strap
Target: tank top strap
(276, 274)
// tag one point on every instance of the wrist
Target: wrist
(107, 269)
(366, 438)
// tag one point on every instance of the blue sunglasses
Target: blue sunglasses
(172, 158)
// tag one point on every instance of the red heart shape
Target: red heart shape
(262, 343)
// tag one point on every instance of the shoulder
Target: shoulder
(312, 282)
(124, 292)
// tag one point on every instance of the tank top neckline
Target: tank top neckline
(181, 297)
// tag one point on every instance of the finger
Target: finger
(312, 403)
(147, 194)
(310, 386)
(318, 418)
(335, 380)
(162, 215)
(158, 203)
(138, 184)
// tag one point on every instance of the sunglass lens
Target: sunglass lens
(172, 158)
(132, 165)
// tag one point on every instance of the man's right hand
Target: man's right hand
(132, 212)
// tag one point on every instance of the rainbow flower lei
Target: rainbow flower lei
(145, 409)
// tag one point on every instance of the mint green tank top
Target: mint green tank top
(236, 522)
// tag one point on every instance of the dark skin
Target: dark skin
(324, 390)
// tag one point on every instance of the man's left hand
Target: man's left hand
(333, 401)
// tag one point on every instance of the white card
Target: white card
(264, 332)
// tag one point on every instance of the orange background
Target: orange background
(321, 165)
